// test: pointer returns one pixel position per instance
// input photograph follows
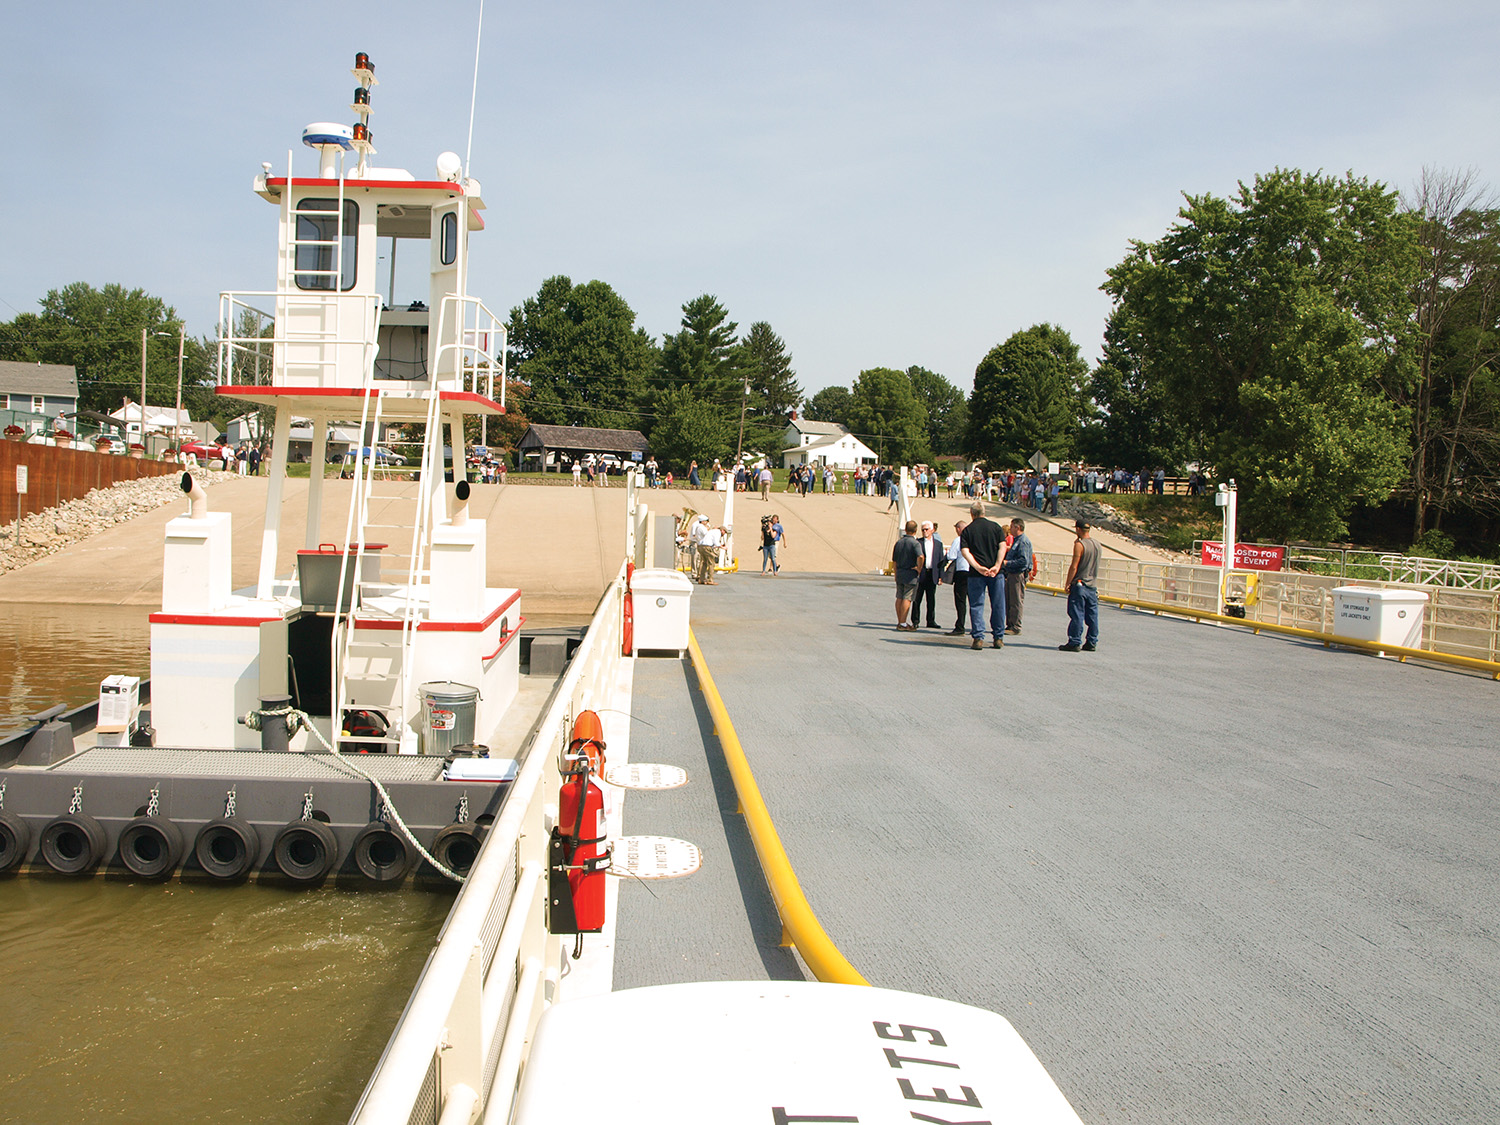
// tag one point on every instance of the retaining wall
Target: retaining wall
(55, 475)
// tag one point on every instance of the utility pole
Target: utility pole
(143, 387)
(739, 444)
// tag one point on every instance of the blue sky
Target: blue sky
(886, 184)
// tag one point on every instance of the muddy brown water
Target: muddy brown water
(124, 1001)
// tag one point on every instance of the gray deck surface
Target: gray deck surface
(1209, 876)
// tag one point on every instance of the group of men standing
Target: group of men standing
(986, 561)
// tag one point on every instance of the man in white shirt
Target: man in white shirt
(930, 577)
(708, 554)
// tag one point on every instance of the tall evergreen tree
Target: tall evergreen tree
(1028, 396)
(774, 393)
(704, 356)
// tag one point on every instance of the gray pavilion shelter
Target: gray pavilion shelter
(557, 447)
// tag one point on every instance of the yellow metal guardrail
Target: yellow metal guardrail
(800, 926)
(1401, 652)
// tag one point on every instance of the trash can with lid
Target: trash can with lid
(661, 602)
(448, 712)
(1374, 613)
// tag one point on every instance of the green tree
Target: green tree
(831, 404)
(885, 412)
(1028, 396)
(1137, 425)
(774, 392)
(1457, 298)
(1274, 321)
(98, 333)
(704, 356)
(578, 350)
(947, 409)
(688, 429)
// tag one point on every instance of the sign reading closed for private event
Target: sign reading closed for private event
(1247, 556)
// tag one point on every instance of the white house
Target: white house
(159, 420)
(35, 396)
(827, 443)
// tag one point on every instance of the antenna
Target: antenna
(474, 94)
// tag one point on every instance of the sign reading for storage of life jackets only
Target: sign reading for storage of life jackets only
(1247, 556)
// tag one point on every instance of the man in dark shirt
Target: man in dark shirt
(906, 560)
(983, 542)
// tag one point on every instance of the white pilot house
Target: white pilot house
(352, 632)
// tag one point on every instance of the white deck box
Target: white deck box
(1371, 613)
(119, 709)
(662, 599)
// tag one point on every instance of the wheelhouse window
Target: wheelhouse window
(449, 249)
(318, 244)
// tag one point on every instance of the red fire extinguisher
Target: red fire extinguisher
(627, 624)
(578, 858)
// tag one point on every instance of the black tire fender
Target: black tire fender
(382, 854)
(457, 846)
(305, 850)
(151, 847)
(15, 841)
(227, 848)
(72, 844)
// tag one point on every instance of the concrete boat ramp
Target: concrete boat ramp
(1210, 876)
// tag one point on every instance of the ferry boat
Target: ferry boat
(322, 725)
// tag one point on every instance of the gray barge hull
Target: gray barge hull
(312, 818)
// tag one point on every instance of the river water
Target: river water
(125, 1001)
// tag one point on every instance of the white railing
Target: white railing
(1460, 622)
(1441, 572)
(477, 339)
(495, 968)
(318, 345)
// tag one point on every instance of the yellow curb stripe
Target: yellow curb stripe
(797, 917)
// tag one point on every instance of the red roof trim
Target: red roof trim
(237, 391)
(410, 185)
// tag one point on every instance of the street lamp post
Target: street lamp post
(177, 414)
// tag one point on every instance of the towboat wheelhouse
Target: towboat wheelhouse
(360, 625)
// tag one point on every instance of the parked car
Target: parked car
(203, 450)
(384, 457)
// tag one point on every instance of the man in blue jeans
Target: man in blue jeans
(1083, 592)
(982, 544)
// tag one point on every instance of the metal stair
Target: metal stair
(368, 664)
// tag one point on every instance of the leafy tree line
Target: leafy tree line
(583, 361)
(98, 333)
(1329, 346)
